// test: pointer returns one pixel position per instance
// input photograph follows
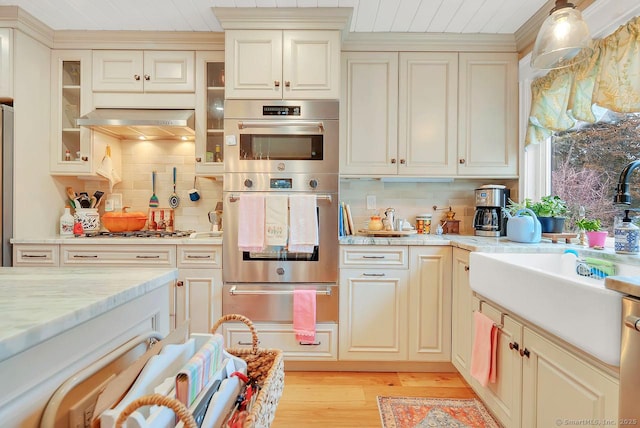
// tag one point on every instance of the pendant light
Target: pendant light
(562, 36)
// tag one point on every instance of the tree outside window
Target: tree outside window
(586, 162)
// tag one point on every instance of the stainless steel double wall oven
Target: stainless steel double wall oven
(286, 148)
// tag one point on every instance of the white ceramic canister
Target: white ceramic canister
(89, 218)
(627, 237)
(66, 222)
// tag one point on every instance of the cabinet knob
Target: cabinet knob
(179, 283)
(198, 159)
(136, 77)
(287, 83)
(313, 183)
(248, 183)
(85, 158)
(402, 161)
(393, 160)
(524, 352)
(147, 77)
(514, 345)
(276, 83)
(461, 161)
(466, 268)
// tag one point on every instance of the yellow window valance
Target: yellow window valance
(609, 78)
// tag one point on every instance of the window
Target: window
(586, 163)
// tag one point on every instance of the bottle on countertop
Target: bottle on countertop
(66, 222)
(627, 236)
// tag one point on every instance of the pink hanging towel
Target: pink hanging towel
(251, 212)
(304, 315)
(483, 355)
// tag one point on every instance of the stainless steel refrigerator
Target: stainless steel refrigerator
(6, 182)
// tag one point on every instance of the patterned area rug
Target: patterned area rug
(407, 412)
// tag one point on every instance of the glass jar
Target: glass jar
(375, 223)
(423, 224)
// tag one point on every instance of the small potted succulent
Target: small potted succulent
(596, 237)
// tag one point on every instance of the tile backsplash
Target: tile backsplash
(414, 198)
(140, 158)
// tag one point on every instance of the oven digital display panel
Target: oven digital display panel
(280, 183)
(281, 110)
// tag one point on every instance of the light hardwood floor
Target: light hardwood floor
(348, 399)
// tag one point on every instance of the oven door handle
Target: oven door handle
(236, 198)
(632, 322)
(244, 124)
(235, 292)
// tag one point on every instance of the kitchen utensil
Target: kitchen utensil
(193, 193)
(72, 196)
(153, 201)
(123, 221)
(98, 195)
(174, 200)
(524, 228)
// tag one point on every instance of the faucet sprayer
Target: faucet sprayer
(622, 194)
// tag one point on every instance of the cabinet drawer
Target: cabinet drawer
(119, 255)
(200, 256)
(281, 336)
(374, 256)
(36, 255)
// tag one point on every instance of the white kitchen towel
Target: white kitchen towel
(303, 223)
(251, 222)
(276, 220)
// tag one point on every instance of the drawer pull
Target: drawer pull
(85, 256)
(147, 257)
(373, 274)
(309, 343)
(246, 343)
(34, 256)
(199, 257)
(373, 257)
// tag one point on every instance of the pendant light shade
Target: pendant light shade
(562, 36)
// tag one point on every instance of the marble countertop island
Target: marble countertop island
(39, 303)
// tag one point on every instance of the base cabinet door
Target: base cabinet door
(429, 304)
(373, 314)
(504, 397)
(561, 389)
(198, 298)
(462, 311)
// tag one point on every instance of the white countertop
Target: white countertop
(39, 303)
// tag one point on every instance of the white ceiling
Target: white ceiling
(416, 16)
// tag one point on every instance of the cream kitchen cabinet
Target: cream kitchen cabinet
(395, 303)
(462, 313)
(143, 71)
(6, 63)
(505, 396)
(428, 114)
(209, 145)
(197, 296)
(282, 64)
(36, 255)
(540, 381)
(488, 115)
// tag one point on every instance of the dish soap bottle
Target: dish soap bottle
(66, 222)
(627, 236)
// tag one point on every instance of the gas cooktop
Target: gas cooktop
(140, 234)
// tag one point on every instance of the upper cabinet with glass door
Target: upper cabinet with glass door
(210, 81)
(6, 66)
(283, 64)
(71, 97)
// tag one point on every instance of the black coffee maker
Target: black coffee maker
(490, 219)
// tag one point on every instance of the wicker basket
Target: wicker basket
(266, 366)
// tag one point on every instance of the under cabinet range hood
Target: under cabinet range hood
(142, 124)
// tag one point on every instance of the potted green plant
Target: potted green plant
(592, 227)
(551, 211)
